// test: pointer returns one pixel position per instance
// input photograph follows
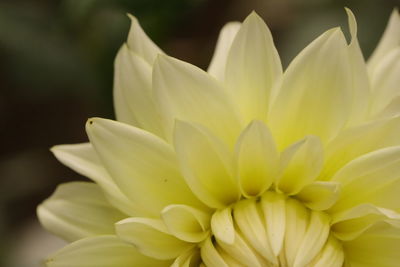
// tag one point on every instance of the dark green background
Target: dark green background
(56, 70)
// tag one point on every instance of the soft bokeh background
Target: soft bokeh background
(56, 70)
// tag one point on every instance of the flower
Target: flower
(242, 165)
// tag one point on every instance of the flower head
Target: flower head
(242, 165)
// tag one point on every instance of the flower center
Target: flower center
(272, 230)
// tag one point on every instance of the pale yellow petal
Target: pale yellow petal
(389, 40)
(210, 255)
(373, 178)
(188, 258)
(207, 165)
(242, 252)
(186, 92)
(315, 85)
(151, 238)
(391, 110)
(251, 224)
(130, 156)
(349, 224)
(101, 251)
(273, 206)
(379, 246)
(319, 195)
(385, 81)
(77, 210)
(253, 67)
(297, 220)
(330, 256)
(186, 223)
(358, 141)
(314, 239)
(222, 225)
(133, 82)
(83, 159)
(361, 87)
(257, 159)
(301, 163)
(218, 62)
(140, 43)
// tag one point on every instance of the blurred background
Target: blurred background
(56, 70)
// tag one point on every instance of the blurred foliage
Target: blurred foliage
(56, 70)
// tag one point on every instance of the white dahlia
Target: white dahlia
(242, 165)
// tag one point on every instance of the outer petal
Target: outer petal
(151, 238)
(101, 251)
(140, 43)
(253, 67)
(351, 223)
(257, 159)
(385, 81)
(211, 256)
(130, 155)
(301, 163)
(77, 210)
(373, 178)
(361, 86)
(316, 83)
(83, 159)
(207, 165)
(358, 141)
(379, 246)
(389, 40)
(133, 83)
(185, 92)
(225, 38)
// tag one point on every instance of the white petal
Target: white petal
(389, 40)
(143, 165)
(385, 81)
(379, 246)
(315, 84)
(185, 92)
(225, 38)
(186, 223)
(140, 43)
(253, 67)
(207, 165)
(77, 210)
(273, 206)
(133, 83)
(83, 159)
(301, 163)
(373, 178)
(257, 159)
(319, 195)
(151, 238)
(357, 141)
(314, 239)
(351, 223)
(361, 86)
(251, 225)
(222, 225)
(101, 251)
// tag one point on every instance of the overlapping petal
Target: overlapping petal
(77, 210)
